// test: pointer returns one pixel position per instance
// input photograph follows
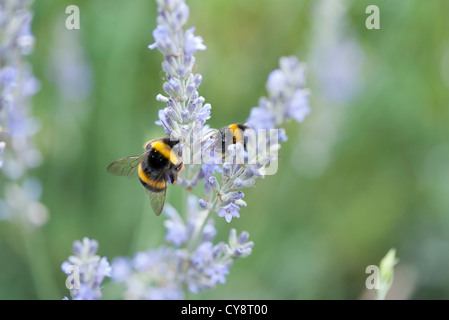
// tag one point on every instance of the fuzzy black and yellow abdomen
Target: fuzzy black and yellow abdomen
(150, 183)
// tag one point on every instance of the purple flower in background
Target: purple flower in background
(18, 153)
(298, 105)
(176, 229)
(90, 270)
(85, 293)
(287, 97)
(277, 84)
(121, 269)
(261, 118)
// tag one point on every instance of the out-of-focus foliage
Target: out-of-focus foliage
(366, 171)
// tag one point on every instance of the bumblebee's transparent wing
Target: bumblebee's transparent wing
(157, 200)
(127, 166)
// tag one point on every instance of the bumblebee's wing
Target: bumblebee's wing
(157, 200)
(127, 166)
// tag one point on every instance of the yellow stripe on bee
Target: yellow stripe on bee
(165, 150)
(155, 184)
(237, 133)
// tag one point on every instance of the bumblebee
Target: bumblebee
(228, 135)
(157, 166)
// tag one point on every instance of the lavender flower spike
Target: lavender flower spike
(184, 115)
(287, 97)
(86, 270)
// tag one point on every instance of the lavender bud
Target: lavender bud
(237, 195)
(162, 98)
(77, 247)
(217, 249)
(92, 245)
(197, 80)
(238, 183)
(168, 89)
(194, 96)
(181, 14)
(241, 203)
(189, 61)
(203, 204)
(170, 113)
(209, 232)
(214, 183)
(243, 237)
(199, 103)
(232, 196)
(227, 169)
(192, 106)
(190, 89)
(174, 83)
(185, 115)
(238, 252)
(248, 183)
(183, 71)
(232, 237)
(168, 68)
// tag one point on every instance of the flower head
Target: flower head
(287, 97)
(91, 269)
(192, 43)
(228, 212)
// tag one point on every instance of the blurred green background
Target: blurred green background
(367, 171)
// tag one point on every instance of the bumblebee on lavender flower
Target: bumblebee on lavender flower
(232, 134)
(157, 166)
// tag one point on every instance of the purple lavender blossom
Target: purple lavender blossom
(192, 43)
(230, 211)
(176, 229)
(298, 106)
(197, 264)
(18, 127)
(217, 273)
(261, 118)
(287, 97)
(185, 114)
(92, 270)
(121, 269)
